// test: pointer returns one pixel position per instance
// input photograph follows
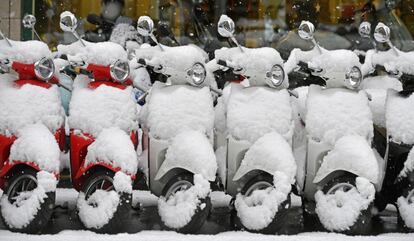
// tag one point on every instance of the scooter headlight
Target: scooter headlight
(44, 69)
(276, 75)
(197, 73)
(353, 78)
(119, 70)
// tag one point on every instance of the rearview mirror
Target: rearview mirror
(382, 33)
(145, 26)
(29, 21)
(68, 22)
(306, 30)
(364, 29)
(226, 27)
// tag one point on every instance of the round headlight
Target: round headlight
(354, 78)
(44, 69)
(197, 73)
(119, 70)
(276, 75)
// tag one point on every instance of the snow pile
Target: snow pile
(390, 60)
(36, 144)
(122, 33)
(102, 53)
(298, 55)
(122, 183)
(220, 199)
(270, 153)
(353, 154)
(113, 146)
(399, 117)
(255, 62)
(28, 104)
(92, 110)
(340, 210)
(408, 165)
(258, 210)
(27, 205)
(255, 111)
(191, 150)
(334, 113)
(141, 78)
(221, 157)
(377, 87)
(179, 209)
(406, 210)
(173, 109)
(220, 110)
(98, 209)
(143, 198)
(27, 52)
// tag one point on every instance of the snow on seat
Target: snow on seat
(92, 110)
(36, 144)
(28, 104)
(399, 118)
(173, 109)
(113, 146)
(334, 113)
(27, 52)
(255, 111)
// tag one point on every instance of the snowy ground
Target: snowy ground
(66, 226)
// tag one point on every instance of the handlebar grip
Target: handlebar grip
(222, 63)
(303, 64)
(142, 61)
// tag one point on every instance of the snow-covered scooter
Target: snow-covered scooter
(396, 112)
(177, 122)
(254, 128)
(341, 172)
(31, 134)
(103, 121)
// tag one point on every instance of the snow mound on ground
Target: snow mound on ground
(339, 211)
(220, 199)
(269, 153)
(36, 144)
(173, 109)
(353, 154)
(255, 111)
(406, 211)
(91, 111)
(27, 52)
(334, 113)
(377, 87)
(113, 146)
(102, 53)
(98, 209)
(29, 104)
(24, 209)
(399, 118)
(258, 210)
(192, 151)
(122, 183)
(408, 165)
(255, 62)
(178, 210)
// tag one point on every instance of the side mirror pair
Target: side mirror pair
(382, 32)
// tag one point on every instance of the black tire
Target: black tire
(278, 221)
(363, 224)
(122, 213)
(200, 215)
(407, 190)
(43, 215)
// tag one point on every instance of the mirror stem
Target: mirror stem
(7, 40)
(155, 40)
(393, 47)
(79, 38)
(237, 43)
(37, 35)
(316, 45)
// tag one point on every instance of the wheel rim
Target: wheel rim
(345, 187)
(410, 196)
(24, 183)
(181, 185)
(261, 185)
(103, 182)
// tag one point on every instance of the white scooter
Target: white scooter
(177, 122)
(341, 172)
(394, 139)
(254, 128)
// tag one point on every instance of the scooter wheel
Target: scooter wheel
(104, 180)
(260, 182)
(26, 180)
(363, 224)
(203, 208)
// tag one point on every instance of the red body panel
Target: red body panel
(102, 75)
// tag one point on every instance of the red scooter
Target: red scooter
(103, 122)
(31, 134)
